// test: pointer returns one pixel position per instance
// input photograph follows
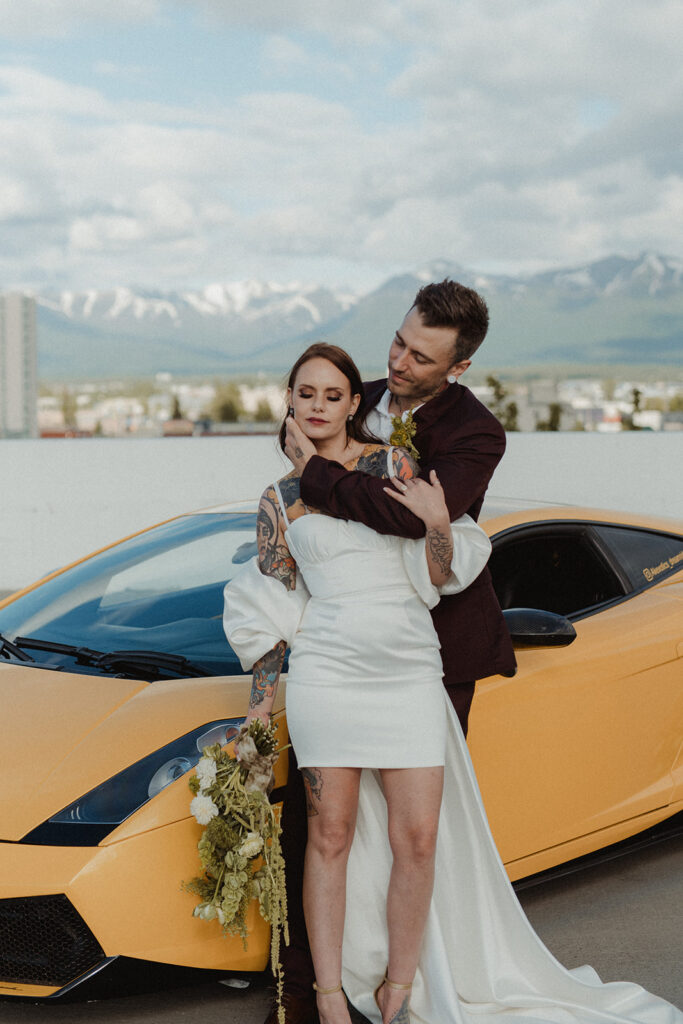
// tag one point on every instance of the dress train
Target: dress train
(481, 960)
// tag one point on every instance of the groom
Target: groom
(458, 437)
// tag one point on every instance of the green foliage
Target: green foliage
(69, 407)
(227, 405)
(404, 432)
(553, 421)
(506, 412)
(264, 412)
(177, 413)
(239, 848)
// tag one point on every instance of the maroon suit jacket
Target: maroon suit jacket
(459, 438)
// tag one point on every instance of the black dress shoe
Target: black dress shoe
(298, 1010)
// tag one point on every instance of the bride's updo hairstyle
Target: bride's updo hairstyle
(355, 427)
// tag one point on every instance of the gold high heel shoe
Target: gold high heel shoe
(389, 984)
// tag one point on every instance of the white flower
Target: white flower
(206, 772)
(203, 808)
(206, 911)
(253, 844)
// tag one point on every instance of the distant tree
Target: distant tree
(506, 412)
(636, 396)
(177, 413)
(510, 420)
(553, 421)
(69, 407)
(226, 406)
(676, 403)
(264, 412)
(628, 419)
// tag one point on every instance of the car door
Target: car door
(584, 736)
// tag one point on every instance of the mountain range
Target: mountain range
(614, 310)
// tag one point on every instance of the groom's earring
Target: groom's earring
(451, 378)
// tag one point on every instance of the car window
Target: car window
(557, 569)
(159, 591)
(646, 556)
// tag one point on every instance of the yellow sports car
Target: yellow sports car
(115, 673)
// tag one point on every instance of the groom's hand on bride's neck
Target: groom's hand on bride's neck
(298, 447)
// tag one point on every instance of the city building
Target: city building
(18, 366)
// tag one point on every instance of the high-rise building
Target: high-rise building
(18, 366)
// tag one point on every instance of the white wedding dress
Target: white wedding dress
(363, 648)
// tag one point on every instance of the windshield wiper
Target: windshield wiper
(83, 655)
(152, 663)
(7, 645)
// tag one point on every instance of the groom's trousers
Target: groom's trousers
(296, 958)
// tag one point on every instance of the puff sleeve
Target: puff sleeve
(471, 550)
(259, 611)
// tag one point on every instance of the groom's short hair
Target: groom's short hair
(449, 304)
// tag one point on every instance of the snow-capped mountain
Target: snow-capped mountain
(247, 301)
(611, 310)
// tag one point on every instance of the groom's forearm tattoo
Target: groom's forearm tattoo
(266, 675)
(313, 786)
(440, 549)
(274, 556)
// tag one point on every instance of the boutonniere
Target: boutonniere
(404, 432)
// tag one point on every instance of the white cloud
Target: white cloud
(282, 57)
(25, 18)
(547, 131)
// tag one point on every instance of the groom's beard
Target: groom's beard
(415, 397)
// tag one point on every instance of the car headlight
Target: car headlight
(86, 821)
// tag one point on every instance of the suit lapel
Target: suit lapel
(441, 407)
(374, 390)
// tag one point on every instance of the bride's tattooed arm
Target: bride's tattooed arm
(274, 559)
(266, 677)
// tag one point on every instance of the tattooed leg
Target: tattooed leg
(402, 1015)
(334, 796)
(313, 786)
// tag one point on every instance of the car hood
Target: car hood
(47, 717)
(62, 734)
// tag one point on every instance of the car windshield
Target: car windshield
(160, 591)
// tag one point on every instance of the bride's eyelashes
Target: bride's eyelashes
(330, 398)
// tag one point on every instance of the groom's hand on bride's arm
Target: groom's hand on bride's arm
(298, 447)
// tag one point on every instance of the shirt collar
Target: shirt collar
(382, 406)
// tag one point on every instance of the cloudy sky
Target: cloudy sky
(166, 144)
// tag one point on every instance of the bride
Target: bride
(406, 900)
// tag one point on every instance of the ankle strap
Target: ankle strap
(396, 984)
(328, 991)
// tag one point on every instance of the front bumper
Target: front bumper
(65, 912)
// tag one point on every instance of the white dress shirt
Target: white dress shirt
(379, 420)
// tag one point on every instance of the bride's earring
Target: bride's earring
(451, 378)
(291, 411)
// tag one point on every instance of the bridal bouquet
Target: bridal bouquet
(240, 847)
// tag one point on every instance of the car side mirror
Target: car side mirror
(532, 627)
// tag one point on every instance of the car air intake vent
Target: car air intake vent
(44, 941)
